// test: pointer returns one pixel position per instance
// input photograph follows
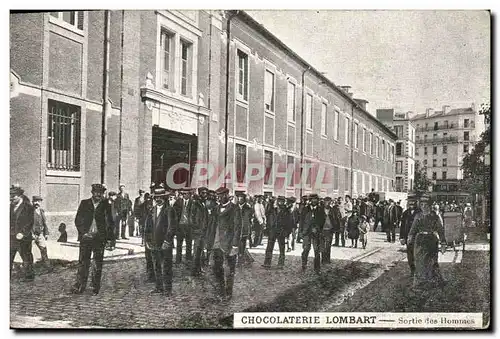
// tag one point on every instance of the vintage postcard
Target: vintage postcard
(250, 169)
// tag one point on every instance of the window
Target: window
(290, 163)
(434, 150)
(185, 68)
(425, 163)
(411, 169)
(425, 150)
(416, 151)
(269, 91)
(436, 126)
(335, 178)
(166, 60)
(466, 123)
(445, 124)
(371, 143)
(399, 184)
(383, 150)
(336, 126)
(380, 148)
(425, 138)
(323, 119)
(444, 175)
(398, 130)
(399, 148)
(347, 184)
(434, 175)
(309, 109)
(63, 134)
(243, 76)
(434, 136)
(426, 126)
(268, 164)
(434, 162)
(399, 167)
(418, 138)
(347, 131)
(241, 162)
(291, 102)
(365, 140)
(355, 135)
(74, 18)
(466, 136)
(445, 162)
(466, 148)
(445, 135)
(309, 173)
(376, 147)
(445, 149)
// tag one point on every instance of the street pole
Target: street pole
(302, 132)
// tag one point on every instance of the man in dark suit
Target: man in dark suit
(245, 216)
(394, 217)
(279, 230)
(183, 210)
(159, 234)
(226, 238)
(125, 209)
(139, 212)
(199, 219)
(312, 229)
(94, 223)
(21, 225)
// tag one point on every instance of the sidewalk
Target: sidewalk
(68, 251)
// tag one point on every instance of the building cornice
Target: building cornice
(162, 98)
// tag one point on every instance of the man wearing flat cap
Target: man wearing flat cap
(159, 234)
(199, 222)
(184, 230)
(40, 229)
(94, 223)
(245, 215)
(21, 225)
(226, 238)
(312, 231)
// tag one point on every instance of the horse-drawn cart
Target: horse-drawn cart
(454, 230)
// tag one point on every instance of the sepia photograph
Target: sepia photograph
(250, 169)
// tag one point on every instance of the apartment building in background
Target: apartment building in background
(159, 80)
(403, 127)
(443, 138)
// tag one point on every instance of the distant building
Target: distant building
(442, 140)
(405, 146)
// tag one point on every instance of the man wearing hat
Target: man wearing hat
(199, 219)
(40, 229)
(328, 230)
(225, 239)
(338, 223)
(125, 209)
(184, 232)
(312, 231)
(159, 231)
(304, 203)
(21, 225)
(279, 230)
(211, 205)
(139, 213)
(94, 223)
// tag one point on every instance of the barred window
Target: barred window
(63, 137)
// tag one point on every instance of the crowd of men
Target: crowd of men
(213, 227)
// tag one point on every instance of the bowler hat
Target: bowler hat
(291, 199)
(98, 188)
(16, 190)
(313, 196)
(36, 198)
(281, 198)
(202, 189)
(159, 192)
(328, 199)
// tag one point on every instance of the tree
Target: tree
(422, 182)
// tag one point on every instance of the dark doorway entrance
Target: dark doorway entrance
(170, 148)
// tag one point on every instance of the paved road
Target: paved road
(125, 301)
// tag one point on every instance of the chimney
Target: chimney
(429, 112)
(446, 109)
(362, 103)
(347, 90)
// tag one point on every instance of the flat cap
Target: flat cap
(202, 189)
(328, 199)
(222, 190)
(291, 199)
(281, 197)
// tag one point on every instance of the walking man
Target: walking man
(279, 230)
(245, 216)
(328, 229)
(21, 225)
(159, 237)
(95, 227)
(139, 213)
(40, 229)
(200, 216)
(226, 238)
(311, 232)
(259, 221)
(125, 209)
(183, 211)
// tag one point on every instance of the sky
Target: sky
(407, 60)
